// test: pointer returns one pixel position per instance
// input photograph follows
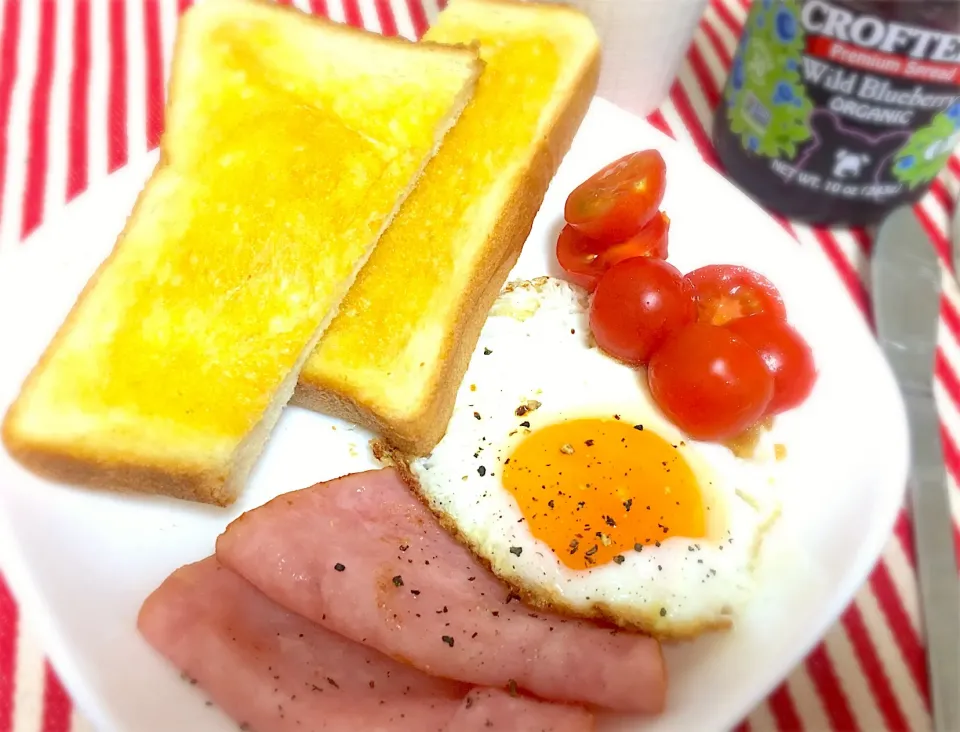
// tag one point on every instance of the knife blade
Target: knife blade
(906, 280)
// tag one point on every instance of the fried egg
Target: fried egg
(559, 471)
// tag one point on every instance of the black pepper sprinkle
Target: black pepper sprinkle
(657, 543)
(638, 547)
(512, 687)
(476, 415)
(627, 504)
(588, 443)
(610, 522)
(525, 423)
(470, 579)
(619, 559)
(398, 581)
(339, 567)
(638, 427)
(616, 416)
(482, 471)
(516, 550)
(332, 683)
(487, 351)
(550, 503)
(404, 547)
(496, 613)
(591, 551)
(371, 685)
(512, 596)
(414, 592)
(663, 612)
(574, 545)
(448, 640)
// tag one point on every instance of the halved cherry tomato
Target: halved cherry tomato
(638, 303)
(709, 382)
(579, 256)
(787, 356)
(726, 292)
(585, 259)
(614, 203)
(650, 241)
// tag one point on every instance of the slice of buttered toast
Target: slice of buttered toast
(393, 358)
(290, 143)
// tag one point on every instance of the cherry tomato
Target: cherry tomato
(584, 259)
(650, 241)
(579, 257)
(787, 356)
(638, 303)
(710, 382)
(615, 202)
(726, 292)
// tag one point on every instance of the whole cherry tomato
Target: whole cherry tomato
(637, 304)
(709, 382)
(726, 292)
(614, 203)
(786, 354)
(584, 259)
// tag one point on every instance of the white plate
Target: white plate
(81, 562)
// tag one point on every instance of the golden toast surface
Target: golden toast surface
(289, 144)
(384, 351)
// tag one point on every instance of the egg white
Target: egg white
(536, 346)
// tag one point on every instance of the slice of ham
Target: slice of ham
(363, 557)
(487, 709)
(274, 671)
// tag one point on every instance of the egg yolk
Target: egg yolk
(592, 489)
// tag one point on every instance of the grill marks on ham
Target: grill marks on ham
(364, 558)
(274, 671)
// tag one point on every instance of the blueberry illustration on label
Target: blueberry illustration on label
(767, 103)
(928, 149)
(786, 25)
(737, 73)
(783, 93)
(953, 112)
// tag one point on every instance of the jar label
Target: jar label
(851, 105)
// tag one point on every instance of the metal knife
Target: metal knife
(906, 304)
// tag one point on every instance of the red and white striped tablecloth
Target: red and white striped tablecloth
(82, 92)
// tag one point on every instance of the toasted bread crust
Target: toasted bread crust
(68, 466)
(421, 432)
(71, 465)
(213, 483)
(544, 600)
